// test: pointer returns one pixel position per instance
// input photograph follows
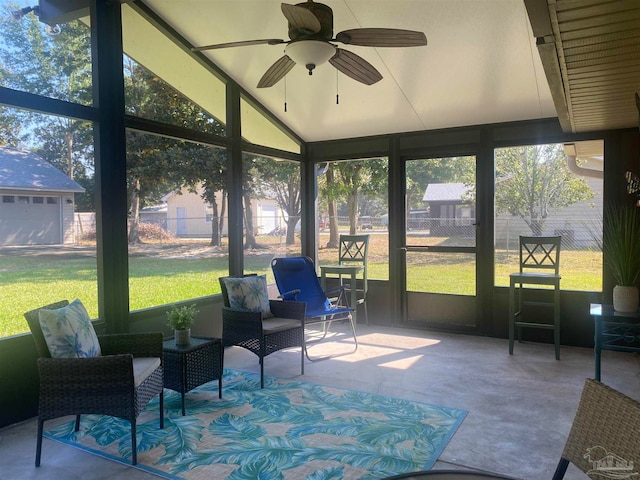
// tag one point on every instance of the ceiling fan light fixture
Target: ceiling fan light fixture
(310, 53)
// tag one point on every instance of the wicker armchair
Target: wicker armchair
(100, 385)
(264, 336)
(604, 440)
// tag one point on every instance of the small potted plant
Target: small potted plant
(181, 319)
(621, 227)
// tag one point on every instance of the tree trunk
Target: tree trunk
(332, 209)
(223, 213)
(352, 203)
(69, 141)
(134, 218)
(291, 229)
(215, 232)
(250, 238)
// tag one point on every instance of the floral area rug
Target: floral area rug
(288, 430)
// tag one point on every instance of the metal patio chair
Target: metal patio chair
(297, 280)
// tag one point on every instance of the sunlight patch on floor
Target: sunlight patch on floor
(397, 341)
(403, 363)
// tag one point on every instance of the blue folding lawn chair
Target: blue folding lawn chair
(297, 280)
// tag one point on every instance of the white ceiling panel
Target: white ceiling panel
(480, 65)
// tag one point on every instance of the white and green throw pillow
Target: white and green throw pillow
(69, 332)
(249, 294)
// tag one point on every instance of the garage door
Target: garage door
(29, 220)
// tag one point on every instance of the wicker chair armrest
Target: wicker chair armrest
(137, 344)
(288, 309)
(75, 375)
(240, 323)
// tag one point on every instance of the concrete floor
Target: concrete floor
(520, 407)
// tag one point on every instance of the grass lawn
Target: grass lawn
(32, 277)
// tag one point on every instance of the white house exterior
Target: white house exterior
(188, 215)
(577, 223)
(36, 201)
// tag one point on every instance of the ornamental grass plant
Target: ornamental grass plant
(621, 244)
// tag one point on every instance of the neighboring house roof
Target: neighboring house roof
(22, 170)
(445, 192)
(155, 209)
(165, 198)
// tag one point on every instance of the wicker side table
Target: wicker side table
(187, 367)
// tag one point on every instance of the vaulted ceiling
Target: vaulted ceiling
(481, 64)
(486, 61)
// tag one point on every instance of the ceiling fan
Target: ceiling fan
(310, 44)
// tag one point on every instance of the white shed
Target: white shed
(36, 200)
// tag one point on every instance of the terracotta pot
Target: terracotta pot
(183, 337)
(625, 299)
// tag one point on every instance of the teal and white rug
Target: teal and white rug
(288, 430)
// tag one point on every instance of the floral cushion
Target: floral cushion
(69, 332)
(249, 294)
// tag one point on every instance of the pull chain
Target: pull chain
(285, 94)
(337, 91)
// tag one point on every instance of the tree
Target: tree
(214, 181)
(250, 180)
(10, 127)
(355, 178)
(56, 66)
(155, 164)
(329, 195)
(533, 180)
(281, 181)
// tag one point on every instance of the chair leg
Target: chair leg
(134, 445)
(39, 441)
(326, 357)
(353, 330)
(519, 312)
(511, 316)
(263, 353)
(561, 469)
(366, 314)
(556, 320)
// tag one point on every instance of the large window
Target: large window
(53, 62)
(46, 169)
(177, 250)
(177, 190)
(353, 199)
(553, 189)
(173, 72)
(47, 229)
(271, 206)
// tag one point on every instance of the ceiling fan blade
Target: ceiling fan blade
(276, 72)
(264, 41)
(382, 37)
(301, 19)
(355, 66)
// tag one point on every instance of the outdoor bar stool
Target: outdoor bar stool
(353, 251)
(539, 265)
